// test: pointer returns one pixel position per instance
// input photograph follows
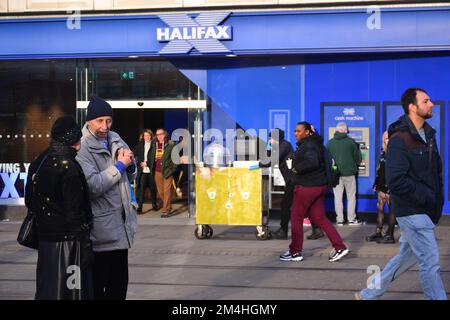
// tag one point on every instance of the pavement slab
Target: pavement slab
(167, 262)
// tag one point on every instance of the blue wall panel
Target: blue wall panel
(378, 78)
(253, 92)
(246, 89)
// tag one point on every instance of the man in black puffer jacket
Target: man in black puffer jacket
(281, 150)
(414, 178)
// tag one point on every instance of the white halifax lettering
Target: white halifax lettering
(194, 33)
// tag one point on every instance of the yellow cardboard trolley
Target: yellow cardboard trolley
(229, 196)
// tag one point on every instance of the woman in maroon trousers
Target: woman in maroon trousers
(309, 194)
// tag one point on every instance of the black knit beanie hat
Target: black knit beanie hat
(66, 131)
(98, 107)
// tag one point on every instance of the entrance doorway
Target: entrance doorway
(145, 93)
(129, 123)
(132, 117)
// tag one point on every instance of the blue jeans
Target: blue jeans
(417, 245)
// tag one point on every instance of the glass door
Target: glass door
(146, 94)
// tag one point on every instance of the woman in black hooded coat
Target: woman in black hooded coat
(57, 193)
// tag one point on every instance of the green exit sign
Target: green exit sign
(127, 75)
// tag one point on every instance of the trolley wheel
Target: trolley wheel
(263, 233)
(209, 232)
(203, 231)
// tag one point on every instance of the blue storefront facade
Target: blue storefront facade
(261, 70)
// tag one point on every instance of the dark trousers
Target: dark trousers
(286, 204)
(147, 181)
(111, 275)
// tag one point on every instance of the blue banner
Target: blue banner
(220, 33)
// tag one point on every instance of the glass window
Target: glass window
(129, 79)
(33, 94)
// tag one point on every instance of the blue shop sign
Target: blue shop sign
(242, 33)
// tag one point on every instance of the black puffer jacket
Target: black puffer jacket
(59, 195)
(414, 171)
(284, 151)
(308, 162)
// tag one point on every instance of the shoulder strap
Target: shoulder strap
(39, 167)
(34, 176)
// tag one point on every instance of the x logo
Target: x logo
(202, 45)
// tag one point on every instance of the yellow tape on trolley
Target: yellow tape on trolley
(228, 196)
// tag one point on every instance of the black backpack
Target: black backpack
(331, 170)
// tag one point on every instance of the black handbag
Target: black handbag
(28, 232)
(28, 236)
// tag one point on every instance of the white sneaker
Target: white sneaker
(287, 256)
(336, 255)
(355, 222)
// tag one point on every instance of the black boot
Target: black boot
(315, 234)
(375, 237)
(280, 234)
(386, 239)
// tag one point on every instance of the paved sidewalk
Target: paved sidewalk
(168, 262)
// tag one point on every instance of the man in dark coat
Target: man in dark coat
(414, 179)
(281, 150)
(58, 194)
